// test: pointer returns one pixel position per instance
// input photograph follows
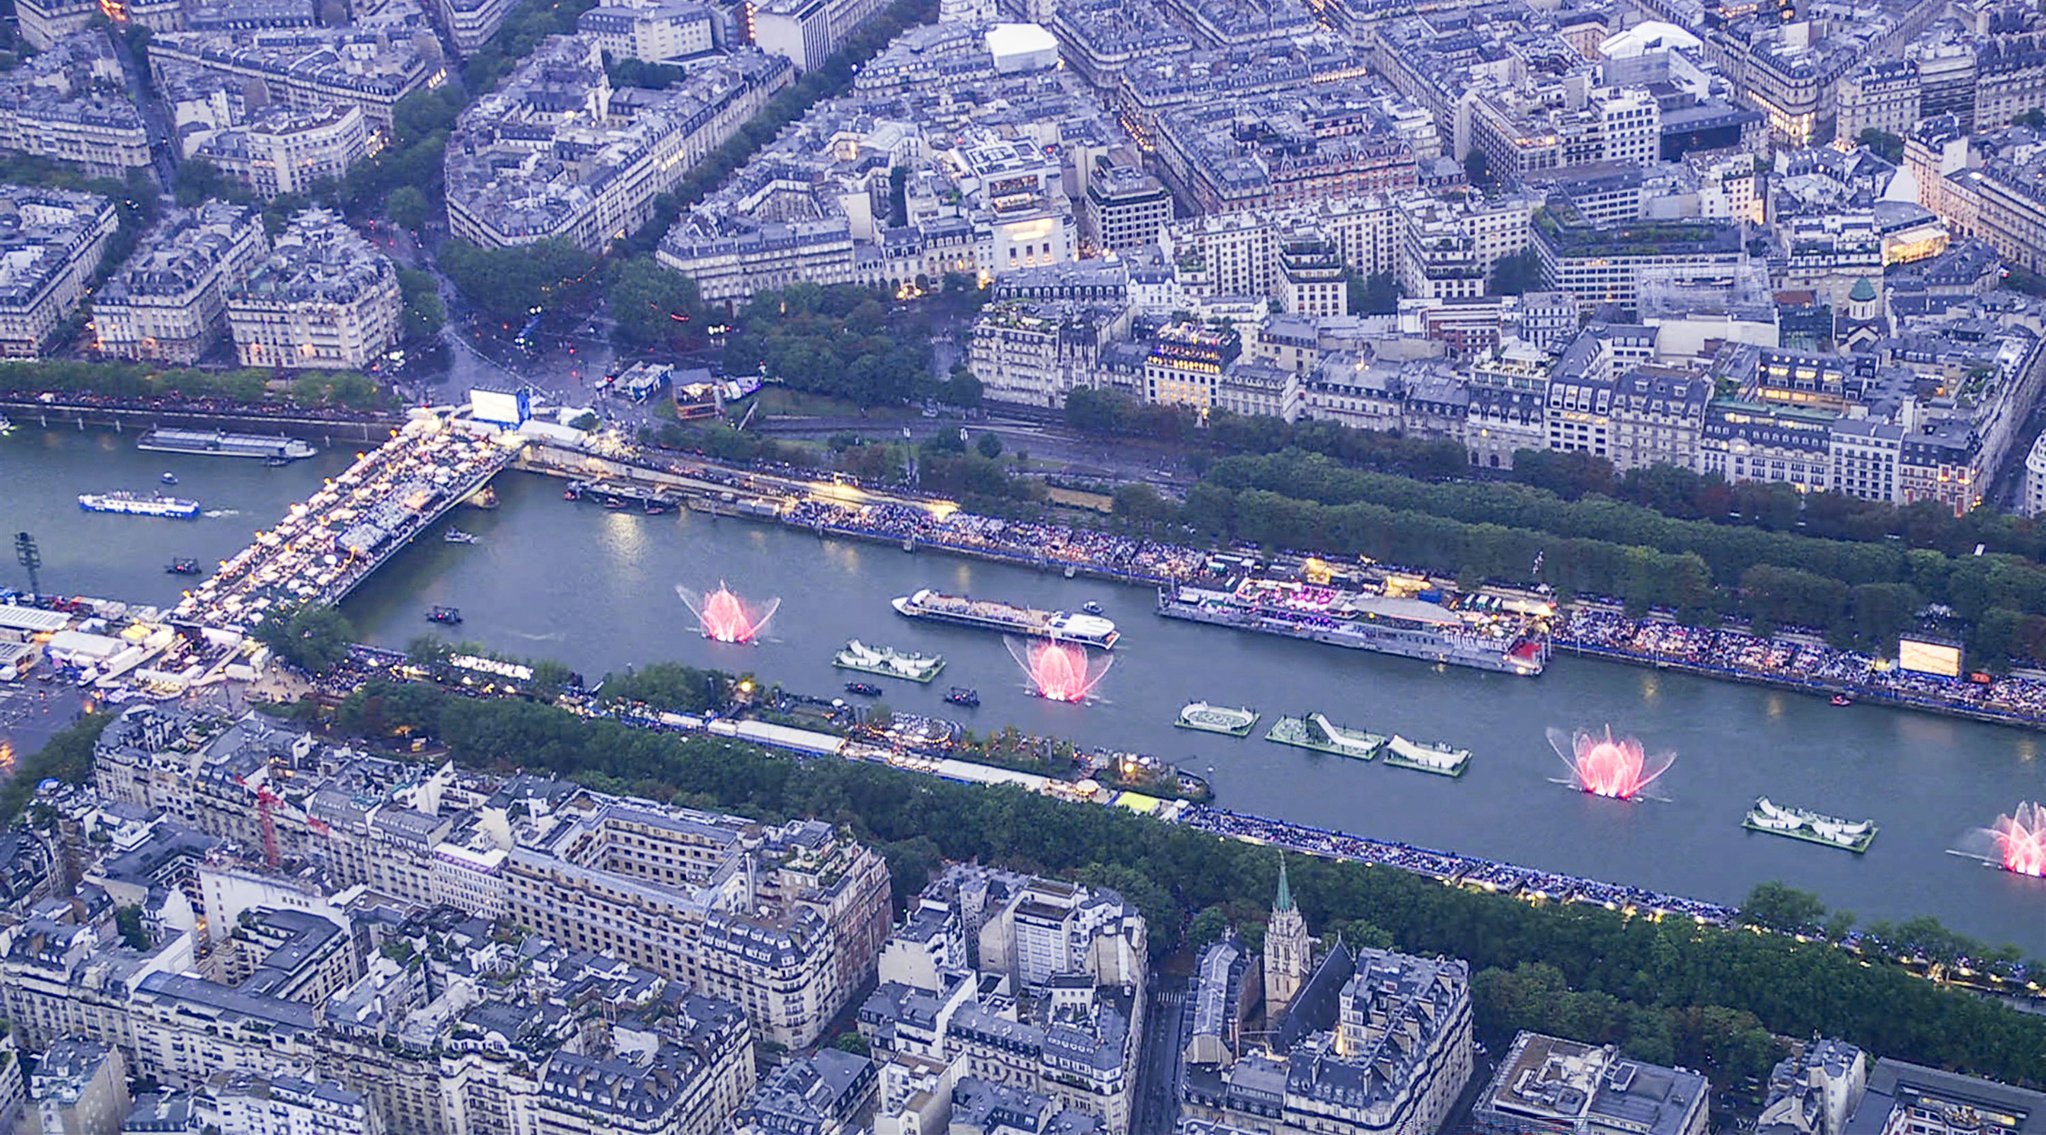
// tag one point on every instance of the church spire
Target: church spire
(1285, 899)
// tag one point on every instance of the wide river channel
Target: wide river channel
(597, 589)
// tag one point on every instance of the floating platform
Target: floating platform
(1811, 827)
(1315, 731)
(886, 663)
(1442, 760)
(1217, 719)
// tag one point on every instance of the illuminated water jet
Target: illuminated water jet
(2021, 841)
(1058, 671)
(1603, 765)
(724, 617)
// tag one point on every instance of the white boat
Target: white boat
(135, 504)
(457, 536)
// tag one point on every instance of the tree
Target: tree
(1208, 926)
(654, 307)
(1887, 146)
(1139, 504)
(512, 283)
(1774, 906)
(851, 1041)
(962, 389)
(1376, 294)
(312, 638)
(128, 920)
(408, 207)
(1516, 275)
(989, 445)
(424, 314)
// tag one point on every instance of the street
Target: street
(1157, 1107)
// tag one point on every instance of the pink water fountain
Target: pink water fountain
(2021, 840)
(1058, 671)
(1604, 765)
(724, 617)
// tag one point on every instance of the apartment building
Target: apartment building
(806, 32)
(70, 103)
(280, 150)
(50, 245)
(607, 153)
(652, 30)
(1036, 351)
(1378, 1042)
(323, 299)
(1547, 1084)
(1033, 984)
(168, 303)
(386, 53)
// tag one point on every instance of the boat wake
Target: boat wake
(220, 512)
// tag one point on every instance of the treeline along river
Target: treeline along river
(597, 590)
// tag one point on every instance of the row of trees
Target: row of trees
(1699, 979)
(1685, 495)
(1114, 413)
(1676, 493)
(134, 381)
(1859, 592)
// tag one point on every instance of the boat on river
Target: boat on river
(139, 504)
(1315, 731)
(1440, 759)
(1216, 719)
(218, 443)
(994, 615)
(1811, 827)
(888, 663)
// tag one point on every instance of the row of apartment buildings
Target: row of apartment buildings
(1930, 413)
(318, 297)
(557, 153)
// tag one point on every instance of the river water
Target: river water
(597, 590)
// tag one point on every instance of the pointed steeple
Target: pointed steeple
(1285, 899)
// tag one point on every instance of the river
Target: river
(597, 589)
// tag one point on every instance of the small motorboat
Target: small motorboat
(1091, 607)
(864, 689)
(446, 616)
(960, 695)
(457, 536)
(183, 565)
(276, 462)
(656, 508)
(1842, 700)
(614, 504)
(169, 478)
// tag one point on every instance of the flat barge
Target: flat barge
(219, 443)
(1222, 719)
(1811, 827)
(1315, 731)
(1440, 759)
(886, 663)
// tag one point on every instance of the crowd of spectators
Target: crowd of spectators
(1056, 545)
(1489, 874)
(1795, 658)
